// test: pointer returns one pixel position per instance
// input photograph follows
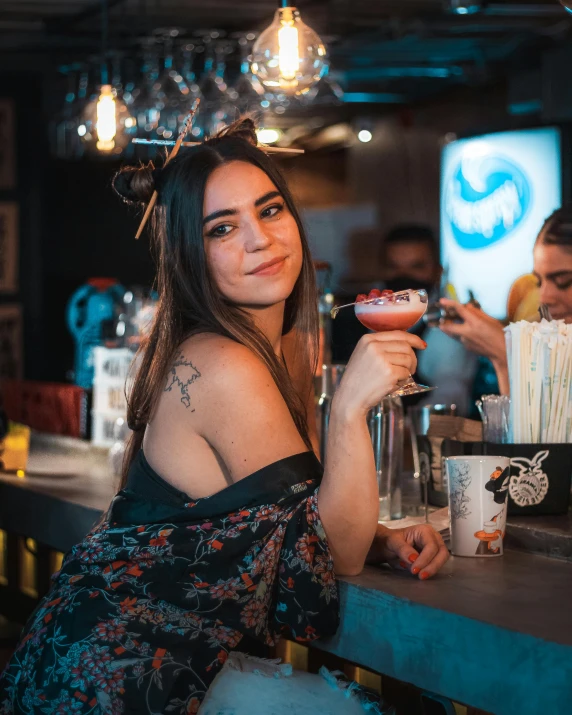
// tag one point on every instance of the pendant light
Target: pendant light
(288, 56)
(107, 118)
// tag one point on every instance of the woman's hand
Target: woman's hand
(420, 549)
(482, 335)
(379, 363)
(478, 332)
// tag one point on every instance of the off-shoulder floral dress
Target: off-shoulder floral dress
(147, 607)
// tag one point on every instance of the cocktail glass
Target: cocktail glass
(395, 311)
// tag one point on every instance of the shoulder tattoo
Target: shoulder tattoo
(181, 376)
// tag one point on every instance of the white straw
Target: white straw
(539, 358)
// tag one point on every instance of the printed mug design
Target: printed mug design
(460, 478)
(531, 485)
(491, 536)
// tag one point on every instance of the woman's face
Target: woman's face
(553, 269)
(252, 242)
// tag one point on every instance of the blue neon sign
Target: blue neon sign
(486, 199)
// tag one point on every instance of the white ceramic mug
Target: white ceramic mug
(478, 491)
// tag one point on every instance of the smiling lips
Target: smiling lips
(269, 268)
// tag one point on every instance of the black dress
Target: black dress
(147, 607)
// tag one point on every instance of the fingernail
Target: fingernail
(424, 343)
(423, 575)
(403, 564)
(412, 557)
(415, 570)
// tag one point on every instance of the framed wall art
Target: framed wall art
(11, 357)
(9, 240)
(7, 145)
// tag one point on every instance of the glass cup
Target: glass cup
(419, 419)
(385, 424)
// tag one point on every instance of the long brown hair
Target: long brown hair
(189, 301)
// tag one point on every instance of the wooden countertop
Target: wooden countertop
(492, 633)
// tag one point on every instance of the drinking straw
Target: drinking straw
(539, 358)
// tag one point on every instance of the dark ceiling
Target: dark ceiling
(381, 51)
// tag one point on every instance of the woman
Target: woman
(220, 536)
(553, 272)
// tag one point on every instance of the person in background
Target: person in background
(409, 258)
(552, 258)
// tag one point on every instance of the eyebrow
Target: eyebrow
(556, 274)
(232, 212)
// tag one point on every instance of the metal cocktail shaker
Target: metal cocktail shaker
(331, 378)
(385, 422)
(386, 427)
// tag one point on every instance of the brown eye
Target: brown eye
(220, 231)
(271, 211)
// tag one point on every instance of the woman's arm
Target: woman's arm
(237, 409)
(348, 499)
(481, 334)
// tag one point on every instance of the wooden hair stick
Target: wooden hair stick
(263, 147)
(172, 155)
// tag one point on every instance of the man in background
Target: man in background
(409, 259)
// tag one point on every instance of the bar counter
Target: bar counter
(495, 634)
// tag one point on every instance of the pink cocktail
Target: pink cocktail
(398, 311)
(385, 310)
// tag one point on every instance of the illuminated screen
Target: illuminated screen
(496, 192)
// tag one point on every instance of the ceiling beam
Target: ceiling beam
(61, 26)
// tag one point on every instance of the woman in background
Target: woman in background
(553, 272)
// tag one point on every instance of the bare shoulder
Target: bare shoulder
(207, 366)
(225, 394)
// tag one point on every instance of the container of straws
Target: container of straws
(534, 426)
(540, 372)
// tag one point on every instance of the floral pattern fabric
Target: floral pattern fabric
(147, 607)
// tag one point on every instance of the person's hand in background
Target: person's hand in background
(481, 334)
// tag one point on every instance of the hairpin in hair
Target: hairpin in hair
(176, 146)
(266, 149)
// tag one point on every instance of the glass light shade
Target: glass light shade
(289, 56)
(107, 126)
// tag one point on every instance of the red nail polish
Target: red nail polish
(415, 570)
(424, 343)
(403, 564)
(423, 575)
(412, 557)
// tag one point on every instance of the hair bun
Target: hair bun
(135, 183)
(243, 128)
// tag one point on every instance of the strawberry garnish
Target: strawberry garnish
(386, 292)
(374, 293)
(361, 297)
